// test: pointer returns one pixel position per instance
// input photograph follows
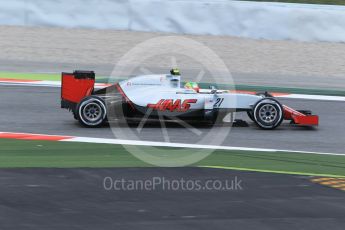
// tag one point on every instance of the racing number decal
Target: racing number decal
(170, 104)
(218, 103)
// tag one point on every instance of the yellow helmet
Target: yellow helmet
(175, 71)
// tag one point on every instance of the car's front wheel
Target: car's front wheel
(91, 111)
(268, 113)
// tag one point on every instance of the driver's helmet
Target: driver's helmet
(175, 71)
(192, 85)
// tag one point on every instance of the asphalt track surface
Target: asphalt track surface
(76, 199)
(37, 110)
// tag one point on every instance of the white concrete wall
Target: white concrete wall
(274, 21)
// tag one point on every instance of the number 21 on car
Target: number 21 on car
(218, 102)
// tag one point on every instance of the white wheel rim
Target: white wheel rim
(278, 114)
(102, 114)
(268, 113)
(92, 112)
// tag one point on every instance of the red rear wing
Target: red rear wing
(77, 85)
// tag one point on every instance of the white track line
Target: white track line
(314, 97)
(43, 84)
(183, 145)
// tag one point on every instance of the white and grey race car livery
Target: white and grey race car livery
(161, 96)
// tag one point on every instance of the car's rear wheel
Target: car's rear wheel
(268, 113)
(91, 111)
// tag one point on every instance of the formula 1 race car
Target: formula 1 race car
(161, 96)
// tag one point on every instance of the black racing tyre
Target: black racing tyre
(91, 111)
(268, 113)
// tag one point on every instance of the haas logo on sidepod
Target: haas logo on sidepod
(172, 106)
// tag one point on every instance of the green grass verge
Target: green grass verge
(31, 76)
(24, 153)
(327, 2)
(47, 77)
(284, 162)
